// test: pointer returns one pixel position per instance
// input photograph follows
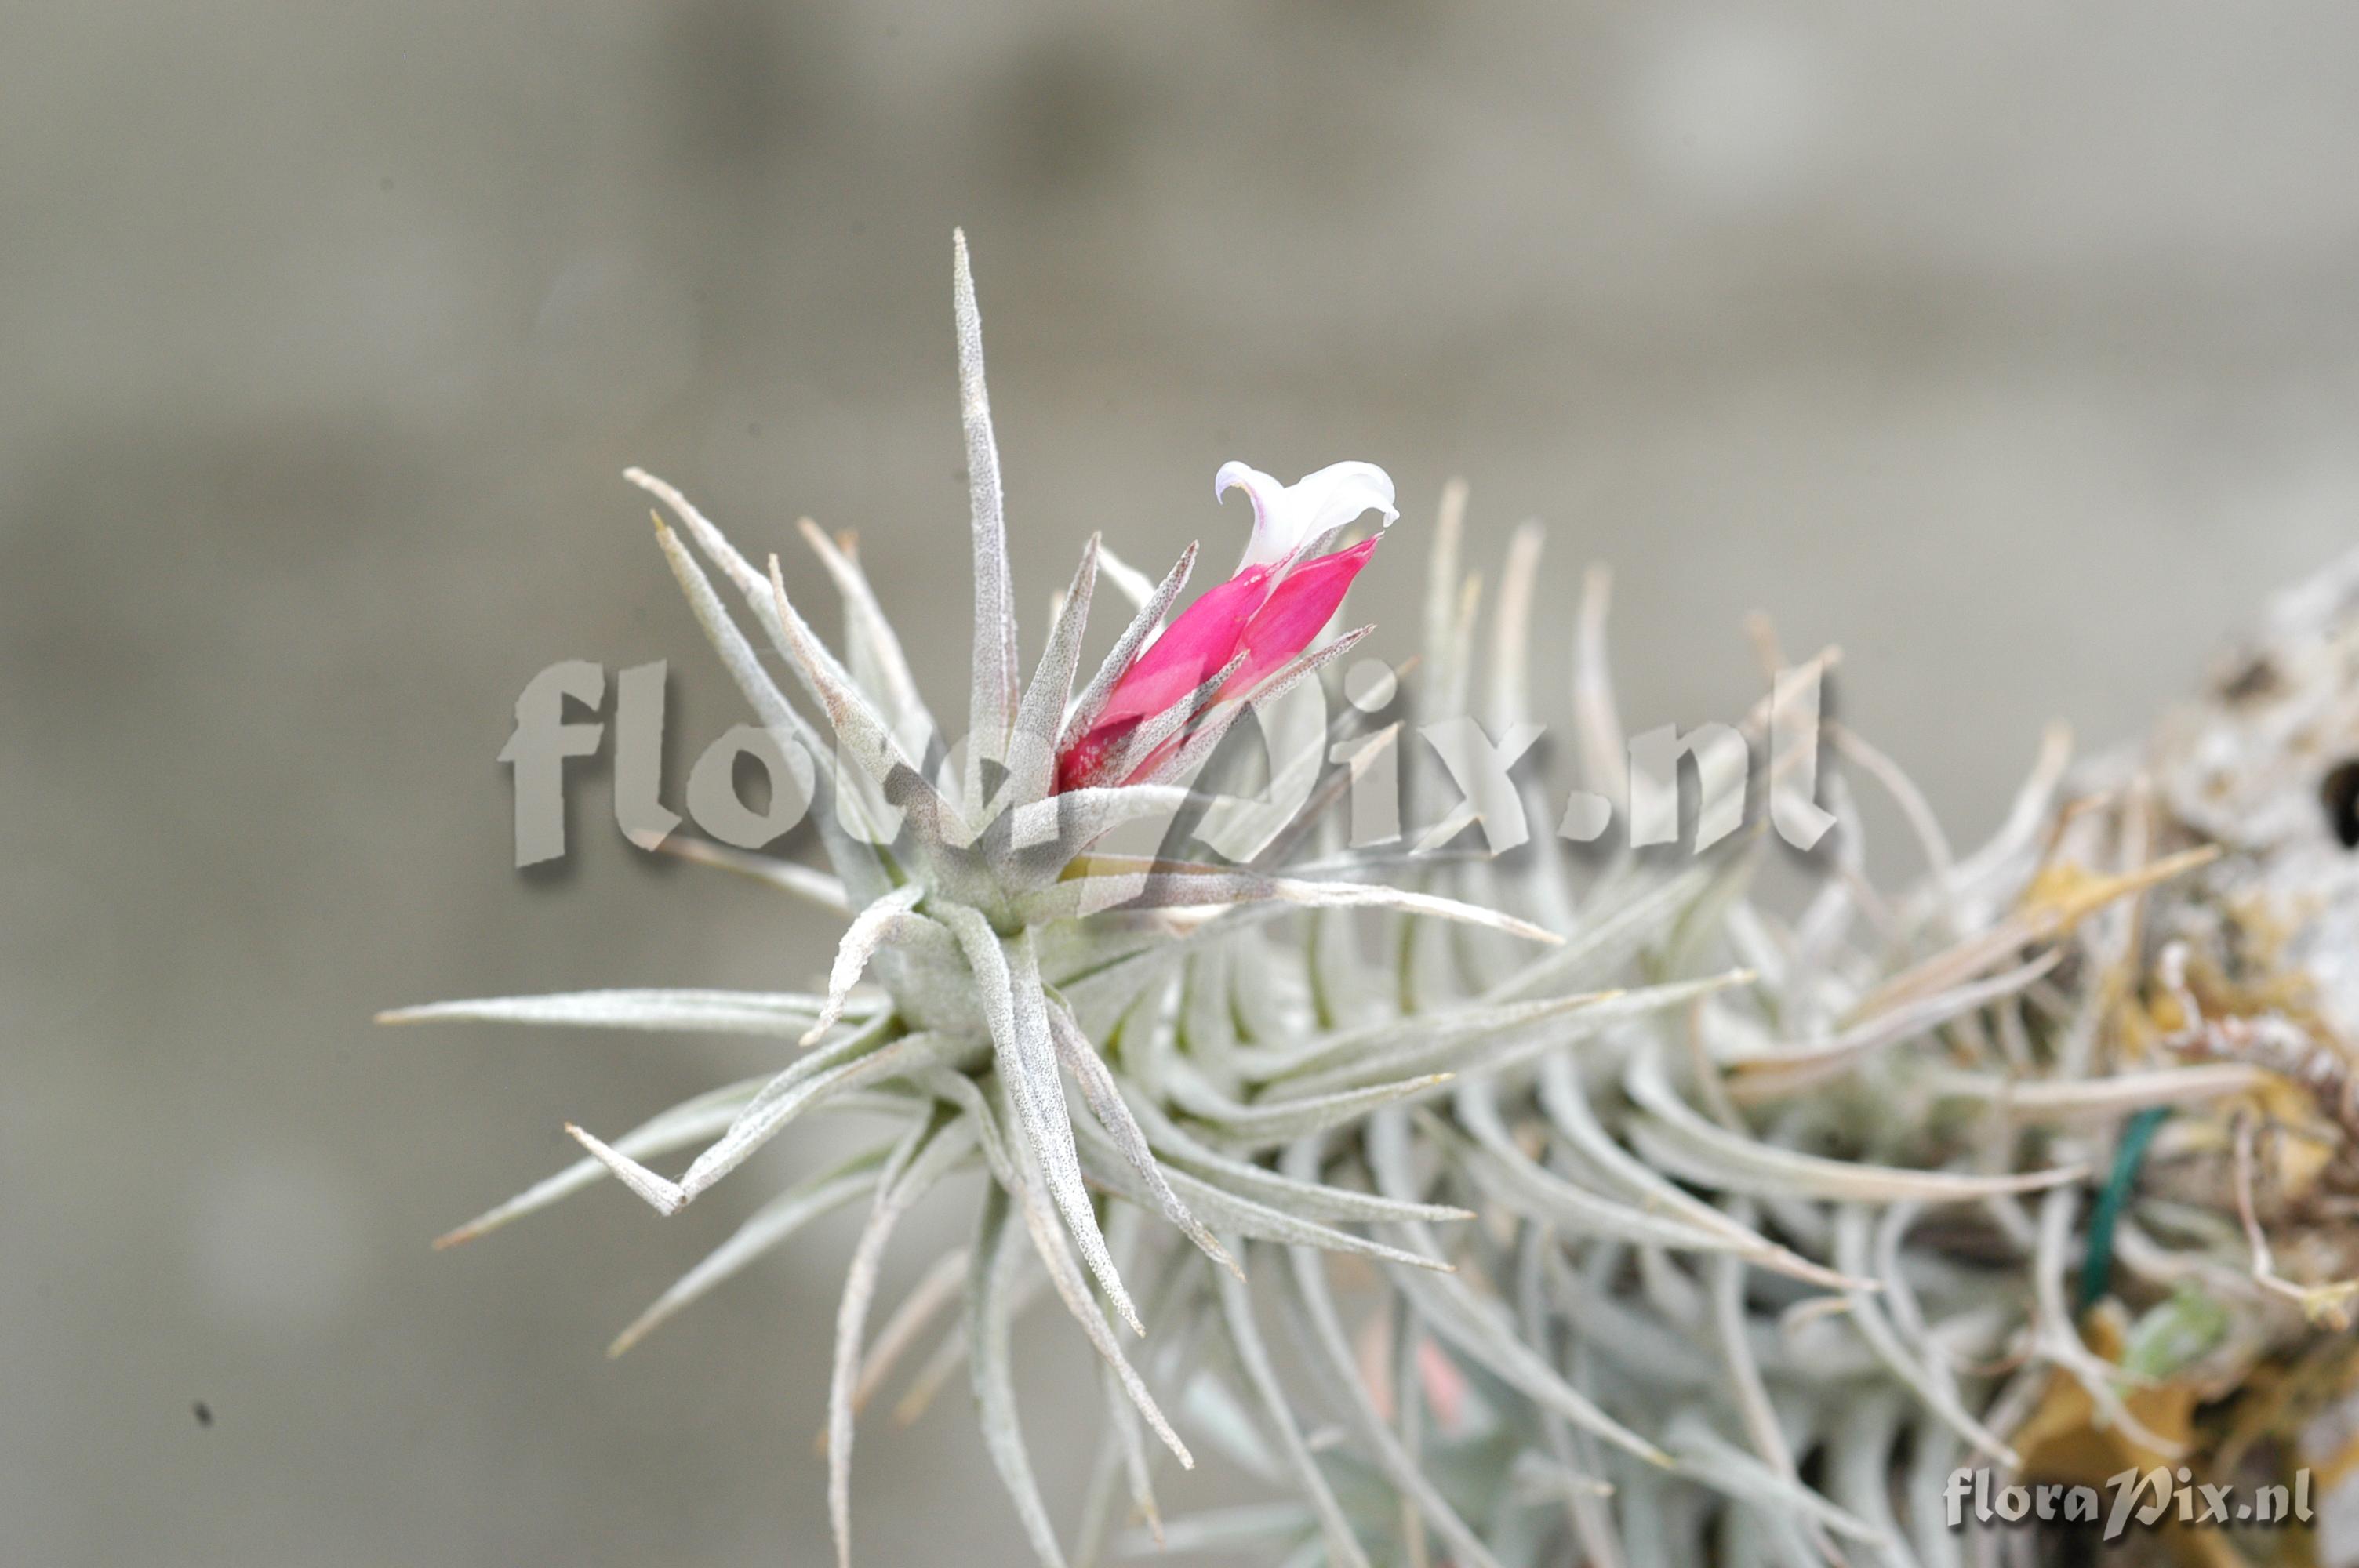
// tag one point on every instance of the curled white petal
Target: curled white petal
(1289, 517)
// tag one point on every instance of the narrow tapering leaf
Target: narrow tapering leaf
(923, 1157)
(1134, 637)
(1103, 1094)
(992, 705)
(987, 1318)
(870, 930)
(1007, 980)
(1252, 1356)
(1032, 745)
(768, 1226)
(721, 1012)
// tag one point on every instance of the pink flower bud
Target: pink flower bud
(1290, 619)
(1272, 610)
(1191, 650)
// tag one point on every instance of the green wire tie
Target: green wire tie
(2097, 1266)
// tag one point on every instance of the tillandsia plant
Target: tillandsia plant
(1612, 1214)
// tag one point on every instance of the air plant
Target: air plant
(1615, 1216)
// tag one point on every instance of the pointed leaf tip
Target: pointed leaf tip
(665, 1197)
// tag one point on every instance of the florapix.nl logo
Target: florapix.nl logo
(561, 716)
(2143, 1499)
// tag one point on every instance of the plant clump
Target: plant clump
(1510, 1210)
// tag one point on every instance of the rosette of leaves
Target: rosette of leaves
(1498, 1203)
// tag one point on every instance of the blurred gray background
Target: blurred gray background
(2013, 348)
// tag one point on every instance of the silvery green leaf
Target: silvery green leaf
(987, 1318)
(1494, 1162)
(1125, 1225)
(1016, 1169)
(2056, 1334)
(1306, 1200)
(1645, 1345)
(1443, 573)
(1144, 625)
(1941, 864)
(1805, 1066)
(1090, 1537)
(1144, 957)
(1227, 1210)
(1510, 697)
(853, 1063)
(724, 1013)
(1592, 1521)
(1147, 889)
(1702, 925)
(1601, 944)
(1121, 1417)
(1674, 1135)
(1046, 835)
(949, 1354)
(1252, 1356)
(871, 929)
(1933, 1453)
(2028, 816)
(2118, 1093)
(1208, 1016)
(682, 1125)
(937, 1288)
(1480, 1051)
(1222, 1529)
(852, 855)
(1103, 1097)
(1930, 1381)
(781, 1100)
(1007, 979)
(1570, 1113)
(741, 572)
(1730, 1469)
(1333, 1356)
(1032, 745)
(861, 732)
(1459, 1316)
(1213, 1406)
(1437, 1028)
(870, 637)
(1271, 996)
(1282, 849)
(768, 1226)
(1346, 993)
(1128, 580)
(1724, 1292)
(1861, 1451)
(922, 1158)
(1266, 1222)
(1453, 597)
(812, 886)
(992, 692)
(663, 1195)
(1266, 1123)
(1599, 739)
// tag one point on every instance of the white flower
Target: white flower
(1289, 518)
